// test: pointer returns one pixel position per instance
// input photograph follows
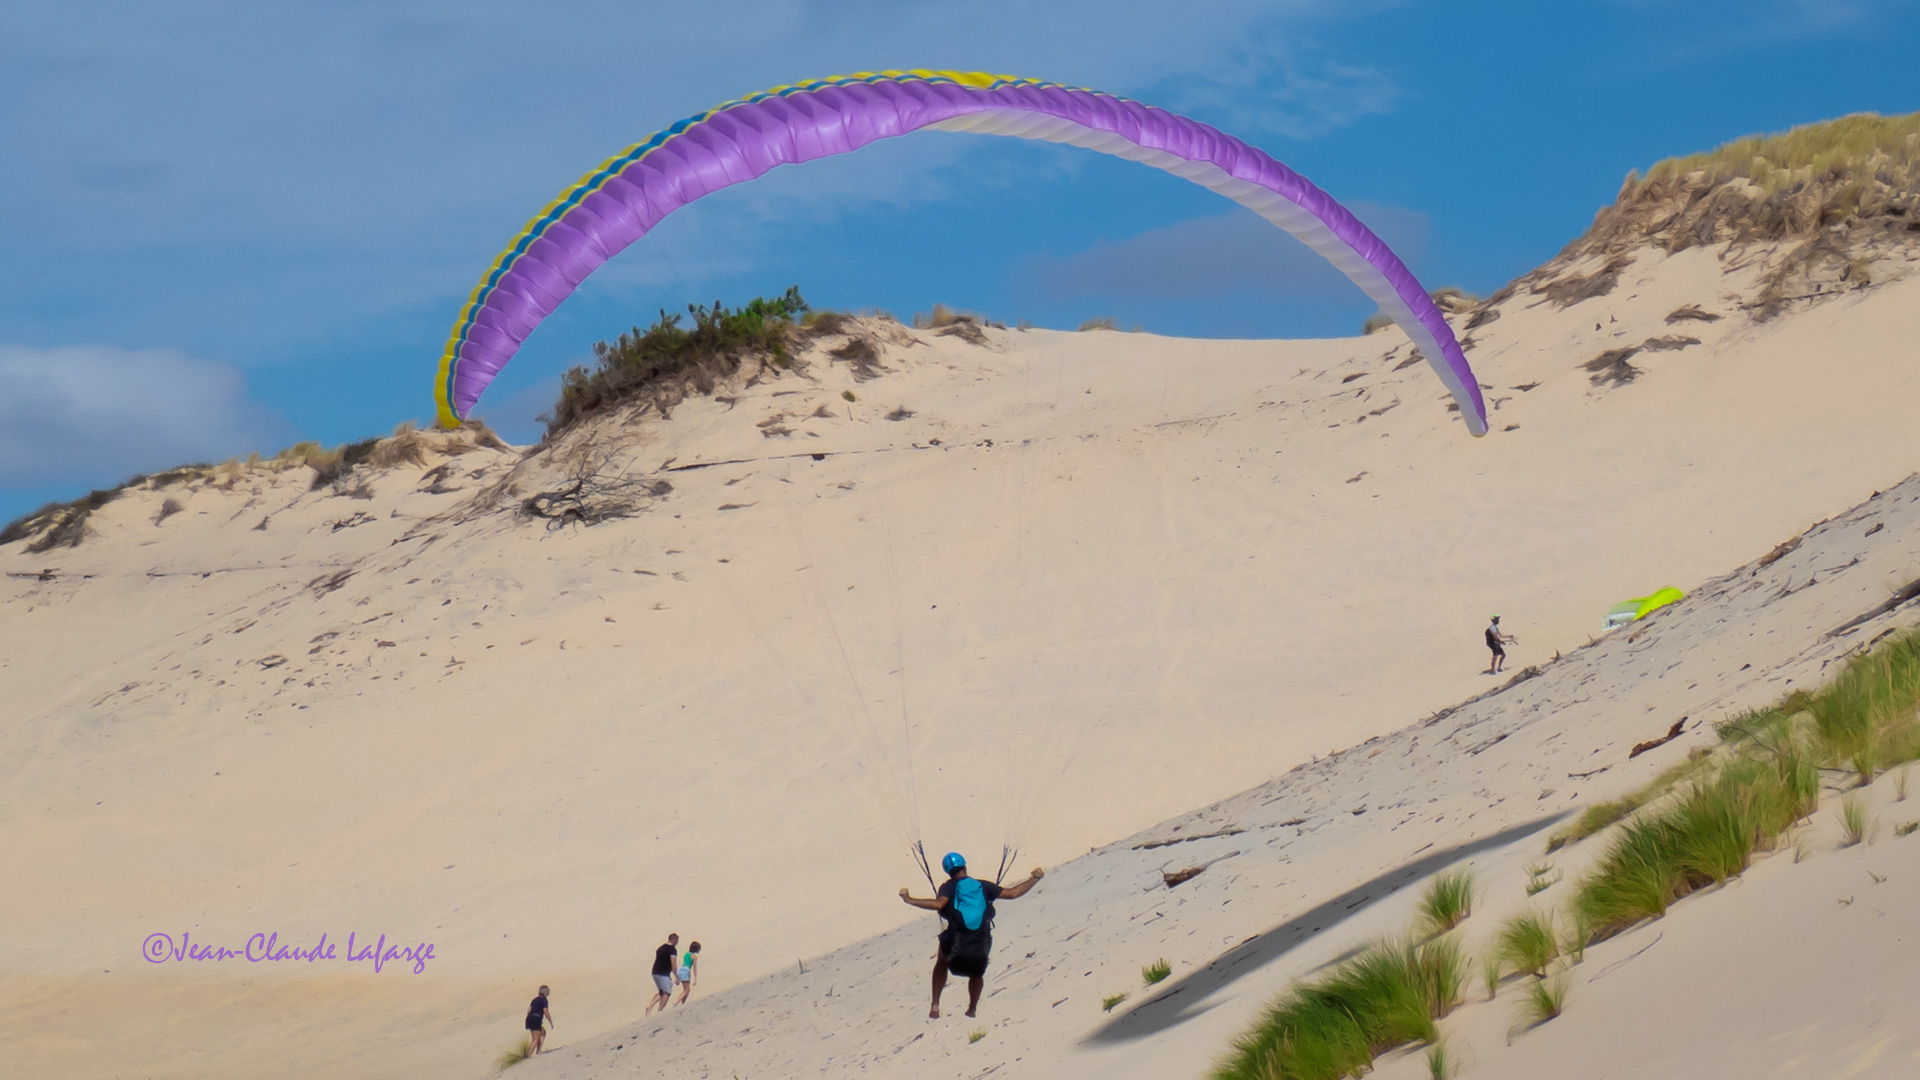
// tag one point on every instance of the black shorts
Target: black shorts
(534, 1024)
(1497, 650)
(971, 967)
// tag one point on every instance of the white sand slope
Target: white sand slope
(1767, 976)
(1113, 576)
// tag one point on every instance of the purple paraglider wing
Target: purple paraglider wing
(630, 193)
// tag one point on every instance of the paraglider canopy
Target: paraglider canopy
(619, 202)
(1640, 607)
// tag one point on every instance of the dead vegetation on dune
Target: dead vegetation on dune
(1611, 368)
(952, 322)
(342, 470)
(1816, 208)
(58, 525)
(335, 469)
(592, 496)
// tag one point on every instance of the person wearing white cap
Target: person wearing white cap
(1495, 640)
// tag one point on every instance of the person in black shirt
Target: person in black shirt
(538, 1017)
(663, 964)
(965, 905)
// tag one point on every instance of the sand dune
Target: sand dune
(1303, 869)
(1114, 576)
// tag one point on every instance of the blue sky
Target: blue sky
(231, 226)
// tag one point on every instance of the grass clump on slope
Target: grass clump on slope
(1528, 944)
(1766, 780)
(1703, 837)
(1545, 999)
(1602, 814)
(1447, 902)
(514, 1055)
(1335, 1026)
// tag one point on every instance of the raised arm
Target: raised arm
(1015, 892)
(934, 903)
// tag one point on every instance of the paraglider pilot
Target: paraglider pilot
(966, 905)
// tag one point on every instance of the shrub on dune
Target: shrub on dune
(1579, 936)
(1631, 883)
(1600, 815)
(1855, 825)
(944, 316)
(1439, 970)
(1448, 901)
(1712, 832)
(1545, 999)
(1492, 970)
(1387, 996)
(1538, 880)
(662, 364)
(1866, 717)
(515, 1055)
(1527, 943)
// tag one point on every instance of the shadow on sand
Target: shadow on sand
(1184, 998)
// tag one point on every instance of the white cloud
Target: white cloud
(88, 414)
(1281, 91)
(241, 158)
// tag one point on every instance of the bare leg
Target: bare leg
(939, 984)
(538, 1037)
(685, 989)
(973, 993)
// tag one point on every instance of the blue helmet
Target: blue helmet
(953, 861)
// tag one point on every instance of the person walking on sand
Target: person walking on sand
(538, 1017)
(1496, 639)
(689, 971)
(966, 905)
(663, 958)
